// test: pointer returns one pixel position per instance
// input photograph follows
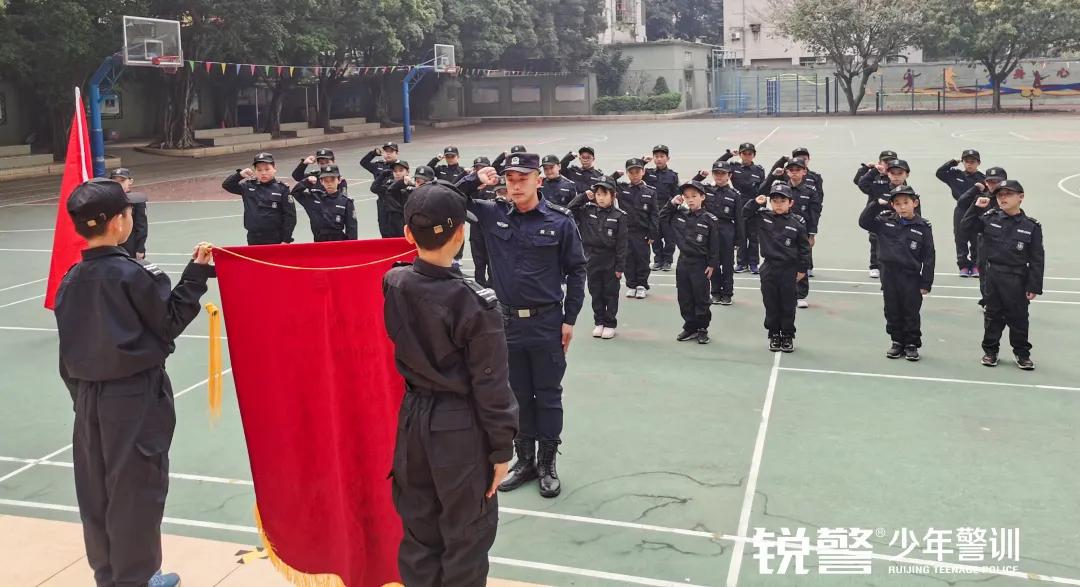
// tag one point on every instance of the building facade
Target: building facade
(625, 22)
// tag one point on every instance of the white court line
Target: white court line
(151, 223)
(184, 476)
(23, 284)
(153, 203)
(878, 293)
(498, 560)
(165, 520)
(874, 283)
(66, 447)
(1061, 185)
(768, 136)
(1019, 136)
(21, 301)
(935, 274)
(752, 477)
(854, 143)
(934, 379)
(33, 329)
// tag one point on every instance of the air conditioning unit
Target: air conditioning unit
(736, 35)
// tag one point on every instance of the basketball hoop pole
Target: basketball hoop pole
(412, 78)
(97, 137)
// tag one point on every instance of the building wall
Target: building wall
(530, 96)
(683, 65)
(625, 22)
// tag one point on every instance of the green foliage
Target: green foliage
(660, 87)
(689, 20)
(610, 66)
(617, 104)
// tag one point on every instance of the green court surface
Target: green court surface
(674, 453)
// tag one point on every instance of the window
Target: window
(688, 58)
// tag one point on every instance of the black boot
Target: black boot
(524, 468)
(545, 464)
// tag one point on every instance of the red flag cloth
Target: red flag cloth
(67, 244)
(319, 396)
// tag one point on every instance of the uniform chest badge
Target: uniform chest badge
(727, 209)
(1019, 245)
(787, 242)
(337, 219)
(914, 245)
(610, 232)
(700, 238)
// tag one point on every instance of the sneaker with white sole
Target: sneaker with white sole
(875, 273)
(598, 331)
(803, 304)
(631, 293)
(164, 580)
(640, 293)
(609, 333)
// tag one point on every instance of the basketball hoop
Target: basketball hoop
(170, 65)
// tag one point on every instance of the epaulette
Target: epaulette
(401, 264)
(712, 216)
(486, 294)
(561, 209)
(150, 268)
(799, 218)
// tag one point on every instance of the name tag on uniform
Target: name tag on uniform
(340, 206)
(545, 232)
(995, 225)
(593, 216)
(1022, 231)
(791, 228)
(916, 231)
(501, 224)
(564, 189)
(681, 220)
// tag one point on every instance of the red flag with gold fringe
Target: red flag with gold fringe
(318, 396)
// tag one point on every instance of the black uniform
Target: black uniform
(808, 207)
(269, 210)
(723, 202)
(301, 173)
(746, 179)
(964, 202)
(785, 246)
(560, 190)
(875, 185)
(140, 228)
(582, 178)
(604, 236)
(960, 181)
(382, 178)
(117, 319)
(332, 216)
(666, 182)
(641, 203)
(697, 234)
(906, 257)
(481, 266)
(457, 419)
(447, 172)
(396, 195)
(1015, 261)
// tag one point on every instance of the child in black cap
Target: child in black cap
(135, 245)
(269, 210)
(603, 228)
(696, 232)
(785, 246)
(452, 171)
(320, 159)
(458, 418)
(331, 213)
(905, 244)
(959, 181)
(117, 318)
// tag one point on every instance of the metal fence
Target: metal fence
(935, 89)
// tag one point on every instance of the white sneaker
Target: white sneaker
(631, 293)
(596, 332)
(803, 304)
(640, 293)
(875, 273)
(608, 334)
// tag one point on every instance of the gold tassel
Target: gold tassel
(298, 578)
(213, 381)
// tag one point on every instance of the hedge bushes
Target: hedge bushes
(617, 104)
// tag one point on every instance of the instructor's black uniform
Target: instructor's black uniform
(457, 419)
(117, 318)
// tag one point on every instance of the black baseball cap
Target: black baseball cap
(996, 173)
(635, 162)
(747, 147)
(98, 200)
(400, 163)
(719, 165)
(661, 149)
(518, 149)
(800, 151)
(550, 160)
(588, 150)
(324, 153)
(697, 185)
(899, 164)
(887, 155)
(1010, 185)
(329, 171)
(780, 188)
(436, 206)
(450, 150)
(796, 162)
(971, 154)
(903, 190)
(263, 158)
(605, 182)
(123, 172)
(523, 162)
(424, 172)
(391, 145)
(482, 161)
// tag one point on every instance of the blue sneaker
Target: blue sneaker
(740, 269)
(164, 580)
(965, 272)
(754, 268)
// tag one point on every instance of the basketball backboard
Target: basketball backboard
(444, 59)
(152, 42)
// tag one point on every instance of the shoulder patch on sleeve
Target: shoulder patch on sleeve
(486, 294)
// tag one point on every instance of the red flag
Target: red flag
(67, 244)
(320, 424)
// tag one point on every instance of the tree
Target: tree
(856, 35)
(689, 20)
(610, 67)
(661, 86)
(1000, 34)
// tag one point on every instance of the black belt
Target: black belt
(511, 312)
